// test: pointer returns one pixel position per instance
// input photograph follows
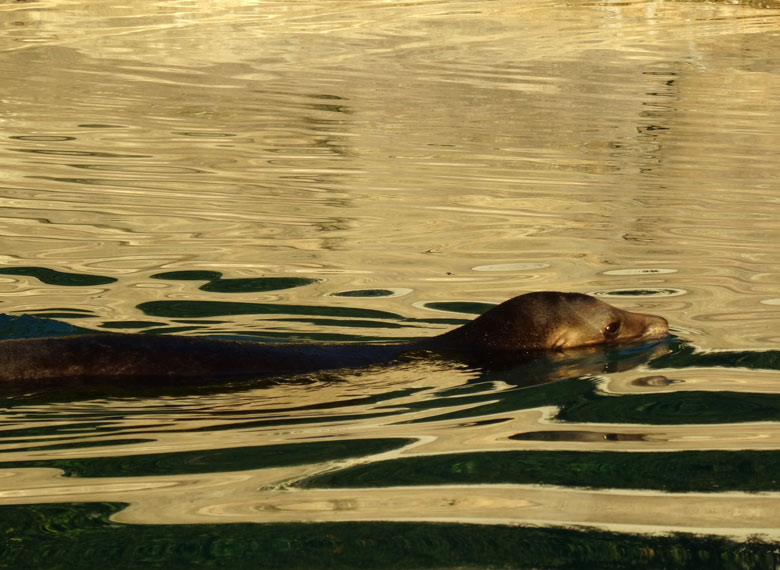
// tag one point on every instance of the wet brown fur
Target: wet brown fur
(531, 322)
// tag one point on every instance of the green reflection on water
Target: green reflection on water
(81, 444)
(62, 315)
(131, 324)
(685, 355)
(28, 326)
(190, 275)
(579, 400)
(364, 293)
(192, 309)
(258, 285)
(682, 471)
(216, 284)
(693, 407)
(350, 323)
(81, 535)
(470, 308)
(52, 277)
(76, 428)
(214, 460)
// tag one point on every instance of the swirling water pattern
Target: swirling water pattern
(374, 171)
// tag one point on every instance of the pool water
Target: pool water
(376, 172)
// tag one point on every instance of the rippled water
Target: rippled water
(372, 171)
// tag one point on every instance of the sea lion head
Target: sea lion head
(553, 321)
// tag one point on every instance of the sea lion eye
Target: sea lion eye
(612, 329)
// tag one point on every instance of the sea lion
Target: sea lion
(528, 324)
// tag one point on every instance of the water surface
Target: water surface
(374, 171)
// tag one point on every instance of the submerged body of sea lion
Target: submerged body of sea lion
(528, 324)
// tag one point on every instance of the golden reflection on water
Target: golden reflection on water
(269, 495)
(447, 150)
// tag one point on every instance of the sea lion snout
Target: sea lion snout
(657, 327)
(639, 326)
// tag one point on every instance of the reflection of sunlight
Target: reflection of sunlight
(250, 497)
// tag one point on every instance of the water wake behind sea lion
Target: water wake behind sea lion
(521, 327)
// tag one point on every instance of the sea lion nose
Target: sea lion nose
(656, 327)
